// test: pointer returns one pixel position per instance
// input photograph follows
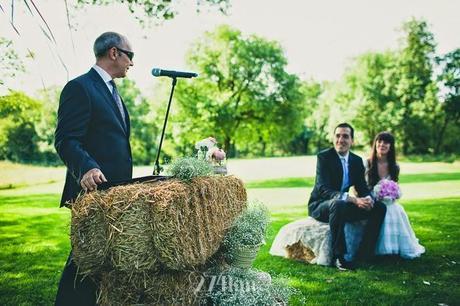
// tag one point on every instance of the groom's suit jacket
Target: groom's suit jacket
(90, 133)
(329, 176)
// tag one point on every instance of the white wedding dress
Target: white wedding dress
(397, 236)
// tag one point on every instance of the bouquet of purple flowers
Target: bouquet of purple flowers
(387, 191)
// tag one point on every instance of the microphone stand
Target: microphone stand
(157, 169)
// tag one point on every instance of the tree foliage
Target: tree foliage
(372, 80)
(449, 80)
(395, 91)
(157, 10)
(414, 76)
(144, 128)
(247, 100)
(27, 125)
(10, 63)
(243, 96)
(316, 121)
(18, 137)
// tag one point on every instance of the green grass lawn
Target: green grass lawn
(393, 281)
(34, 245)
(310, 181)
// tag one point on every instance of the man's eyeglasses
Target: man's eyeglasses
(129, 54)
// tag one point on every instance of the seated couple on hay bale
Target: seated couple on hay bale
(351, 226)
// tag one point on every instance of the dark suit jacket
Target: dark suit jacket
(329, 174)
(90, 133)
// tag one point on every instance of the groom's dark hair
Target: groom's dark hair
(346, 125)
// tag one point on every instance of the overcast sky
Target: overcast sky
(318, 37)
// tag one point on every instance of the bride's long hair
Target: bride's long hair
(393, 169)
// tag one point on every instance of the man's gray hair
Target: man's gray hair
(106, 41)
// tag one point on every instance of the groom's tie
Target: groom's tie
(345, 174)
(117, 99)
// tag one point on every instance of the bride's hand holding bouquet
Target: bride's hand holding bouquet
(387, 191)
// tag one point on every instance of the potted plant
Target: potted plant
(243, 240)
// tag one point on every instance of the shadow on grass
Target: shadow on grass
(34, 244)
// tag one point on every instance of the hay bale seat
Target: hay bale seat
(309, 240)
(153, 226)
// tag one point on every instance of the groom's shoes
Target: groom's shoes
(342, 265)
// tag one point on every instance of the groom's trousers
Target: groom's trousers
(338, 212)
(73, 288)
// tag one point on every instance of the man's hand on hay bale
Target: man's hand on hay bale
(91, 179)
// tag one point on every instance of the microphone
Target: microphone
(157, 72)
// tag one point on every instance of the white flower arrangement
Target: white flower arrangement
(209, 151)
(187, 168)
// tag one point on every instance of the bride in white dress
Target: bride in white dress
(396, 235)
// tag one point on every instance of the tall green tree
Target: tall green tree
(415, 80)
(396, 90)
(315, 120)
(449, 80)
(144, 128)
(243, 95)
(336, 104)
(46, 124)
(372, 79)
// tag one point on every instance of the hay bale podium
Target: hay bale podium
(149, 242)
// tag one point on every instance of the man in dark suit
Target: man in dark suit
(338, 169)
(92, 139)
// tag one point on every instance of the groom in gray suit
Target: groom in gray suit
(92, 139)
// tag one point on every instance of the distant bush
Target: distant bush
(18, 117)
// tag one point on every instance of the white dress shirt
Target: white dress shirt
(105, 77)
